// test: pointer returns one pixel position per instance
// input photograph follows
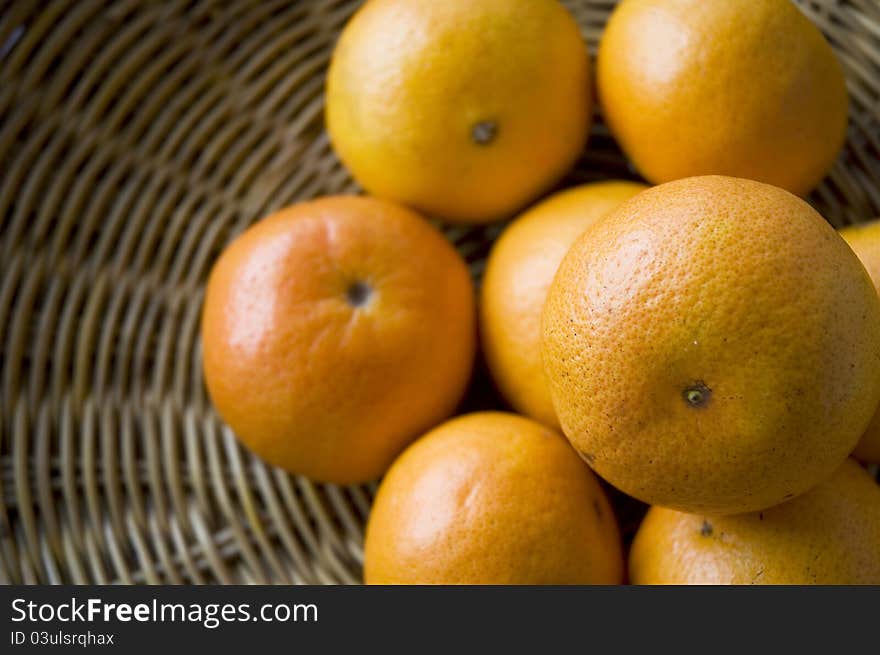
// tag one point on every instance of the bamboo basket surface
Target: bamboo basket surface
(136, 139)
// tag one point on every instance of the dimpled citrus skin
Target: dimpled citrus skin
(747, 88)
(864, 239)
(713, 345)
(518, 274)
(491, 498)
(830, 535)
(410, 81)
(335, 332)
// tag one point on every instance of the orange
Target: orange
(747, 88)
(830, 535)
(491, 498)
(864, 239)
(336, 331)
(713, 346)
(518, 274)
(465, 110)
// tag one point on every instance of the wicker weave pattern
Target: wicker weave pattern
(136, 139)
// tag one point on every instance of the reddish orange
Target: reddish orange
(336, 331)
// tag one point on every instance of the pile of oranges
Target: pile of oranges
(704, 342)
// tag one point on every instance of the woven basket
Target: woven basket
(136, 139)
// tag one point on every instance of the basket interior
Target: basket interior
(136, 139)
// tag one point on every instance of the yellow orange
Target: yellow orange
(518, 274)
(491, 498)
(465, 110)
(336, 331)
(830, 535)
(713, 345)
(864, 239)
(748, 88)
